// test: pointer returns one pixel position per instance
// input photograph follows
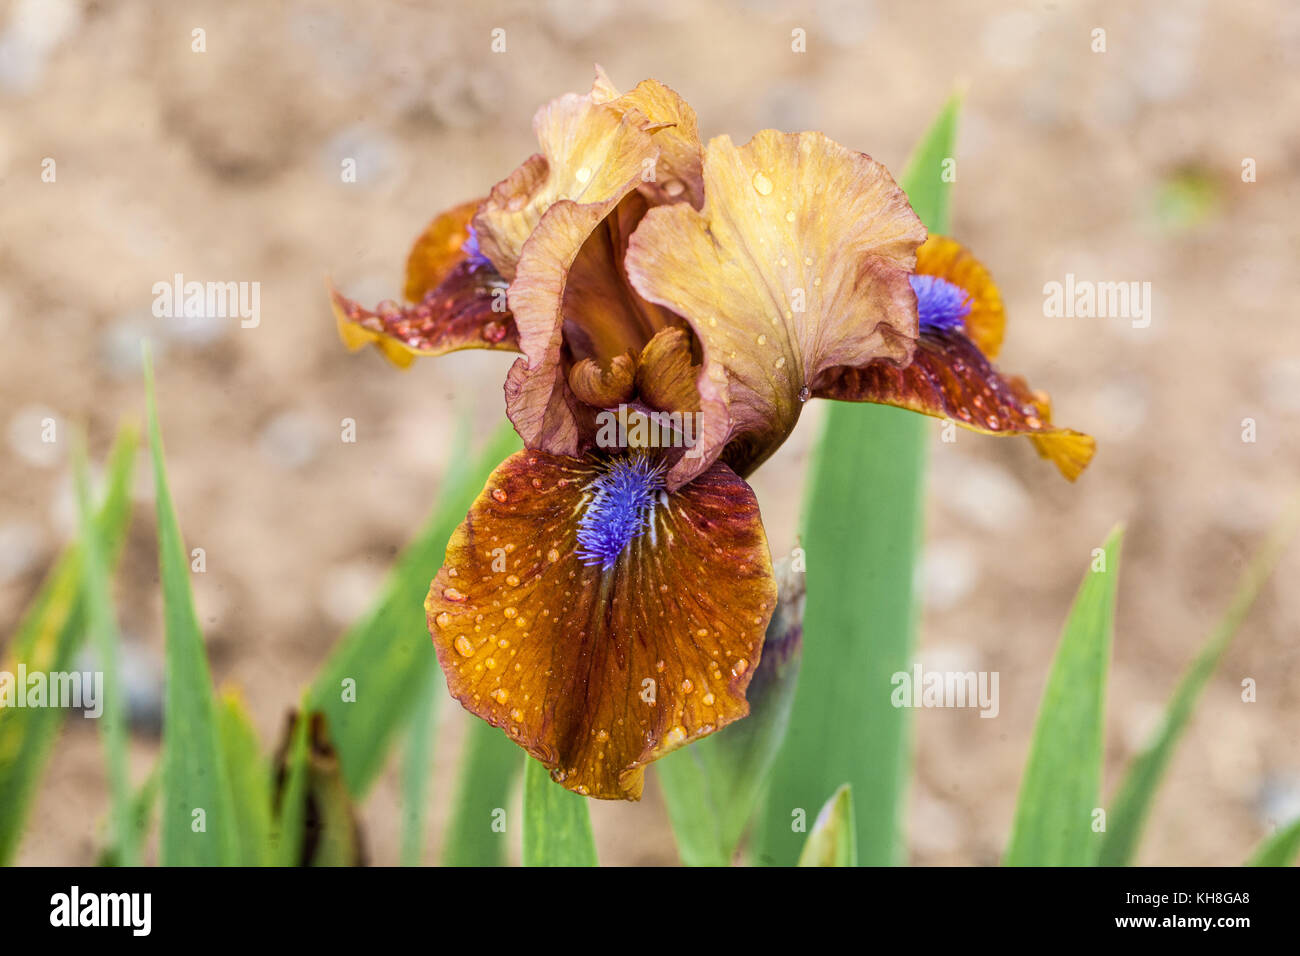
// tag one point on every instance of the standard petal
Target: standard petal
(591, 155)
(678, 174)
(597, 671)
(798, 263)
(949, 377)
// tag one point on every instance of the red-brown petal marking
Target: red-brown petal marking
(467, 311)
(798, 262)
(598, 672)
(950, 378)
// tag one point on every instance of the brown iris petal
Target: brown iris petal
(462, 313)
(596, 673)
(666, 375)
(949, 377)
(453, 302)
(798, 262)
(603, 388)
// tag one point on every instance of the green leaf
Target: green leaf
(712, 786)
(291, 797)
(250, 780)
(416, 766)
(368, 687)
(832, 841)
(198, 822)
(557, 826)
(477, 829)
(47, 639)
(924, 177)
(142, 804)
(1058, 795)
(1280, 849)
(863, 526)
(101, 622)
(1132, 802)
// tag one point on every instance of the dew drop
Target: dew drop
(687, 686)
(805, 393)
(443, 619)
(499, 494)
(517, 715)
(762, 340)
(789, 217)
(510, 612)
(582, 174)
(675, 736)
(513, 581)
(740, 667)
(708, 699)
(463, 647)
(762, 185)
(451, 594)
(552, 555)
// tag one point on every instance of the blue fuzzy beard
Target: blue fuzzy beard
(473, 255)
(940, 305)
(619, 511)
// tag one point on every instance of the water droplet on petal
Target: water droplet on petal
(582, 174)
(451, 594)
(499, 494)
(442, 619)
(463, 646)
(762, 185)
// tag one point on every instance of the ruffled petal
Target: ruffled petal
(678, 173)
(597, 670)
(951, 377)
(798, 263)
(591, 155)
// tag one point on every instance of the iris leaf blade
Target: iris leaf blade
(1053, 824)
(1132, 802)
(197, 826)
(557, 824)
(101, 622)
(47, 639)
(477, 828)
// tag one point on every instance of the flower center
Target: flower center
(940, 305)
(623, 497)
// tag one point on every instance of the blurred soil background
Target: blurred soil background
(225, 165)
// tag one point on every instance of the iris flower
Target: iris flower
(605, 600)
